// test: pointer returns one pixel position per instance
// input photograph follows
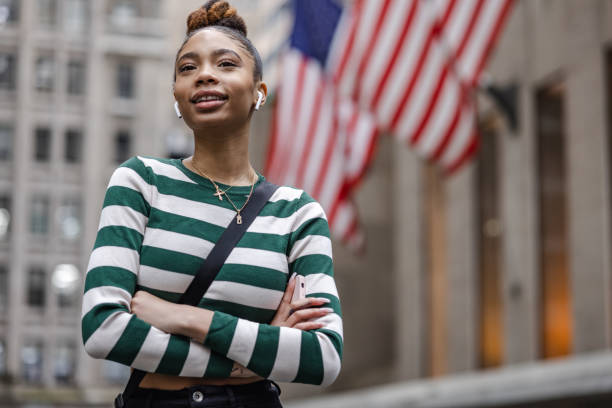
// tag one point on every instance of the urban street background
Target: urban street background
(487, 287)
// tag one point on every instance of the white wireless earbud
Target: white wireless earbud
(259, 99)
(176, 109)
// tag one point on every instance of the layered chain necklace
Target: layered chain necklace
(219, 193)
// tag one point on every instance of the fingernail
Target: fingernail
(293, 275)
(324, 300)
(327, 309)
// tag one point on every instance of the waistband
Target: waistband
(263, 386)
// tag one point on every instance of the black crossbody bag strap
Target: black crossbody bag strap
(210, 267)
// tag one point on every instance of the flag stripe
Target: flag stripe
(433, 127)
(393, 32)
(310, 133)
(449, 132)
(431, 105)
(397, 48)
(324, 127)
(425, 53)
(346, 79)
(308, 112)
(347, 48)
(501, 18)
(374, 39)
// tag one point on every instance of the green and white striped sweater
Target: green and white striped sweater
(159, 221)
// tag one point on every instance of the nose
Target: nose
(206, 75)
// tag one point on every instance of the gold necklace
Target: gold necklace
(238, 216)
(219, 193)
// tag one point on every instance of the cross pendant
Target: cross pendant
(219, 194)
(238, 218)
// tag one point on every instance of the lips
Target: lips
(206, 100)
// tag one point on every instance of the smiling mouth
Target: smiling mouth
(209, 102)
(208, 98)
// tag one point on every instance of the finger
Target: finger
(307, 314)
(306, 326)
(289, 290)
(308, 302)
(284, 309)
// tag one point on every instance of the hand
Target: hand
(156, 311)
(298, 313)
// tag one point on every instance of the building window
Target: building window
(5, 217)
(32, 362)
(7, 71)
(6, 142)
(76, 77)
(73, 146)
(45, 73)
(66, 282)
(489, 233)
(76, 16)
(3, 355)
(37, 285)
(125, 80)
(42, 144)
(556, 316)
(47, 13)
(3, 286)
(123, 12)
(69, 219)
(9, 11)
(123, 146)
(435, 240)
(39, 215)
(65, 362)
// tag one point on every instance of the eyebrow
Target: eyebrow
(193, 55)
(222, 51)
(215, 53)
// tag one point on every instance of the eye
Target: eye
(227, 63)
(186, 67)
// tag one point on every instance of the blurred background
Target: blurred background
(487, 287)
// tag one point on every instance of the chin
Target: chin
(212, 120)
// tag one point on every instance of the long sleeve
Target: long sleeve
(109, 329)
(287, 354)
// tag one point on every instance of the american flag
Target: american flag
(406, 67)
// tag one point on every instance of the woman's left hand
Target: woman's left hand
(155, 311)
(299, 314)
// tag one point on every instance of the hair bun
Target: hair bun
(216, 13)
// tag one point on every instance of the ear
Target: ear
(263, 88)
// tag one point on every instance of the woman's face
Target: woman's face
(214, 81)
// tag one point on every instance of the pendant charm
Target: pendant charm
(219, 194)
(238, 219)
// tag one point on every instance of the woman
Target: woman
(160, 219)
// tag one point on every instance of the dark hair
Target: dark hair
(223, 17)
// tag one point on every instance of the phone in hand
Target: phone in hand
(299, 292)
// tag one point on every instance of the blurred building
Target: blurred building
(84, 85)
(81, 90)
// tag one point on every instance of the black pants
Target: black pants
(261, 394)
